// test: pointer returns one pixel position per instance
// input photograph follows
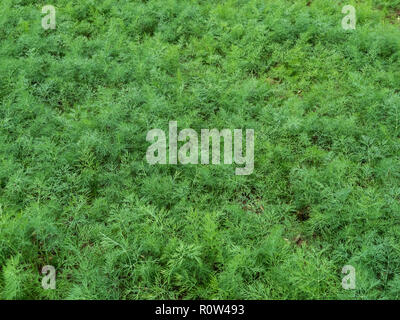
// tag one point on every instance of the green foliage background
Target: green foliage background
(76, 191)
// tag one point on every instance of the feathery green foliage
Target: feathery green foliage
(77, 193)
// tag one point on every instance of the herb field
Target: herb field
(76, 190)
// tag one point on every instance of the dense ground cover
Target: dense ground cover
(77, 193)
